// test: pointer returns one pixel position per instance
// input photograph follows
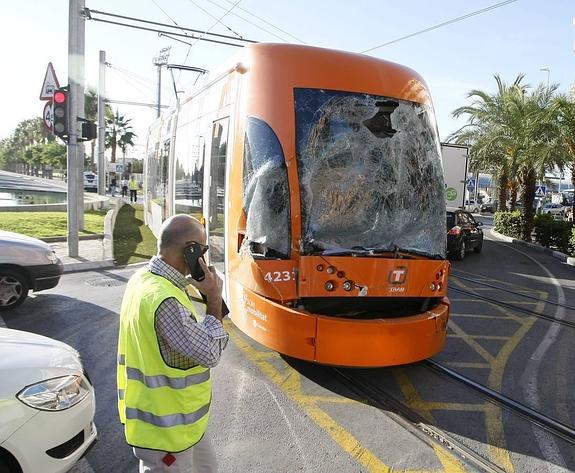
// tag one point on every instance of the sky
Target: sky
(520, 37)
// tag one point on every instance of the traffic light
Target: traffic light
(60, 112)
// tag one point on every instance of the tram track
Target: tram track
(417, 425)
(509, 291)
(413, 422)
(550, 424)
(518, 308)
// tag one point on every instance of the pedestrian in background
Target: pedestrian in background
(124, 187)
(113, 184)
(168, 341)
(133, 189)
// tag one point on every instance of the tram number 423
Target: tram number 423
(279, 276)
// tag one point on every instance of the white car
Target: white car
(47, 404)
(553, 209)
(25, 263)
(90, 181)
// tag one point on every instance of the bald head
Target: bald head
(178, 231)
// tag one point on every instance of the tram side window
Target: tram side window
(218, 192)
(265, 192)
(189, 173)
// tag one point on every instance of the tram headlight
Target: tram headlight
(330, 270)
(347, 286)
(329, 286)
(432, 286)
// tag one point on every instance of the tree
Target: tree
(488, 133)
(565, 109)
(514, 133)
(118, 132)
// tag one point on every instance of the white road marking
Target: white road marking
(530, 377)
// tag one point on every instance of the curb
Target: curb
(96, 236)
(88, 266)
(555, 254)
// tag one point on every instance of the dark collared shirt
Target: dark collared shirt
(183, 341)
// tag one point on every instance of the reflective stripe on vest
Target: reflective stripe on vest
(170, 420)
(162, 407)
(159, 381)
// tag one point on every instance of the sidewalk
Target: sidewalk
(92, 254)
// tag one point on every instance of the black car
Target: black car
(463, 234)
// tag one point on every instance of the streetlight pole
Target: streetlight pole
(159, 61)
(548, 70)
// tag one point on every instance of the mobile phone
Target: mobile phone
(192, 254)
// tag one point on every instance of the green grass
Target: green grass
(49, 224)
(133, 241)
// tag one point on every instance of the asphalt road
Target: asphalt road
(274, 414)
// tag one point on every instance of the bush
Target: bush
(508, 223)
(553, 233)
(572, 242)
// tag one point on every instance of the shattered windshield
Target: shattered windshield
(370, 173)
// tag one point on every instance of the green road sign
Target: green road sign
(450, 194)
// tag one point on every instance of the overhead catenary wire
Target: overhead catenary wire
(250, 22)
(264, 21)
(440, 25)
(155, 30)
(88, 13)
(213, 17)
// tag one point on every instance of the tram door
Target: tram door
(217, 200)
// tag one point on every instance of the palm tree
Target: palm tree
(91, 113)
(116, 127)
(488, 133)
(513, 133)
(565, 109)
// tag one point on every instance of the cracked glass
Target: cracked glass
(370, 174)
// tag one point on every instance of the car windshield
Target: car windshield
(370, 173)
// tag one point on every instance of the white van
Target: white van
(90, 181)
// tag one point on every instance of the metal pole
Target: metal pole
(158, 108)
(102, 125)
(81, 112)
(74, 78)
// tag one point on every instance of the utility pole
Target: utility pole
(159, 61)
(76, 83)
(101, 124)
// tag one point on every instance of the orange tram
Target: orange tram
(319, 178)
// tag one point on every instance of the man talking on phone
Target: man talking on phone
(170, 336)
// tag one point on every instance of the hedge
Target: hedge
(547, 231)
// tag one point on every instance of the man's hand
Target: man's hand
(211, 287)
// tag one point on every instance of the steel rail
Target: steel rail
(549, 318)
(556, 427)
(413, 422)
(557, 304)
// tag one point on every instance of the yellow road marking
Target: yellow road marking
(290, 384)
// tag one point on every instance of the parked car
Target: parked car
(489, 206)
(472, 206)
(47, 404)
(25, 263)
(463, 234)
(90, 181)
(553, 209)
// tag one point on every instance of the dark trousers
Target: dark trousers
(124, 191)
(133, 195)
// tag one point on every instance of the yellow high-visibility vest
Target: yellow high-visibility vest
(133, 185)
(161, 407)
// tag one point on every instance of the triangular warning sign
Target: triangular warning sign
(50, 83)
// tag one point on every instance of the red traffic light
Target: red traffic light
(59, 97)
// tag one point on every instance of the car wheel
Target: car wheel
(460, 252)
(13, 289)
(479, 246)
